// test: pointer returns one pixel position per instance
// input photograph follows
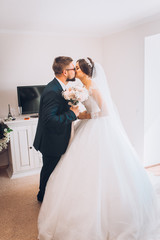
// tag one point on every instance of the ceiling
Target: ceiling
(76, 17)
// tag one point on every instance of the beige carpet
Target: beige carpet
(18, 207)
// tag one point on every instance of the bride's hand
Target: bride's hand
(84, 115)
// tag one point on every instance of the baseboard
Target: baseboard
(23, 174)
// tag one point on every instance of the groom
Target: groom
(55, 118)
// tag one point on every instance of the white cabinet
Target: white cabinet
(21, 146)
(23, 158)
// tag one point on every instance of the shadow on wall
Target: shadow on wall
(4, 158)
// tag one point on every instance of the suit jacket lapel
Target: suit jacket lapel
(58, 85)
(59, 90)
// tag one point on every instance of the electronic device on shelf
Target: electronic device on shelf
(29, 99)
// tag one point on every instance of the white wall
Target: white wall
(26, 59)
(152, 101)
(124, 64)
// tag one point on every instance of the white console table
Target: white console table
(24, 160)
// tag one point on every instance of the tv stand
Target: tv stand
(34, 116)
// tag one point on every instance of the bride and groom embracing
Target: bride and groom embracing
(98, 190)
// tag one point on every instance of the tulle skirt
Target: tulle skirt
(99, 190)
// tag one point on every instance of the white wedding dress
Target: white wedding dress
(99, 189)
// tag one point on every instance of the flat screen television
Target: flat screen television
(29, 98)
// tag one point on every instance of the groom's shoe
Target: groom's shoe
(39, 197)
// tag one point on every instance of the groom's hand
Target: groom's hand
(75, 110)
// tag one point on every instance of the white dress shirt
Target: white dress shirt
(62, 84)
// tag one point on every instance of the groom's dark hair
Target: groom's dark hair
(60, 64)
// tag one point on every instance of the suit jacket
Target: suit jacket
(54, 124)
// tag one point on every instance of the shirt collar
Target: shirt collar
(62, 84)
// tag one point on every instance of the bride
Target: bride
(99, 189)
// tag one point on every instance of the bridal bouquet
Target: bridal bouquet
(4, 136)
(75, 95)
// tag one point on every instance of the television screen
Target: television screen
(29, 98)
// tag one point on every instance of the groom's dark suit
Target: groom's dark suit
(53, 130)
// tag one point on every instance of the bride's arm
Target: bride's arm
(101, 104)
(84, 115)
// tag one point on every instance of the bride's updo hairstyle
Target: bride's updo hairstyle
(86, 65)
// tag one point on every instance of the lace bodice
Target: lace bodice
(95, 104)
(91, 105)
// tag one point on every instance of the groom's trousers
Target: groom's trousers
(49, 163)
